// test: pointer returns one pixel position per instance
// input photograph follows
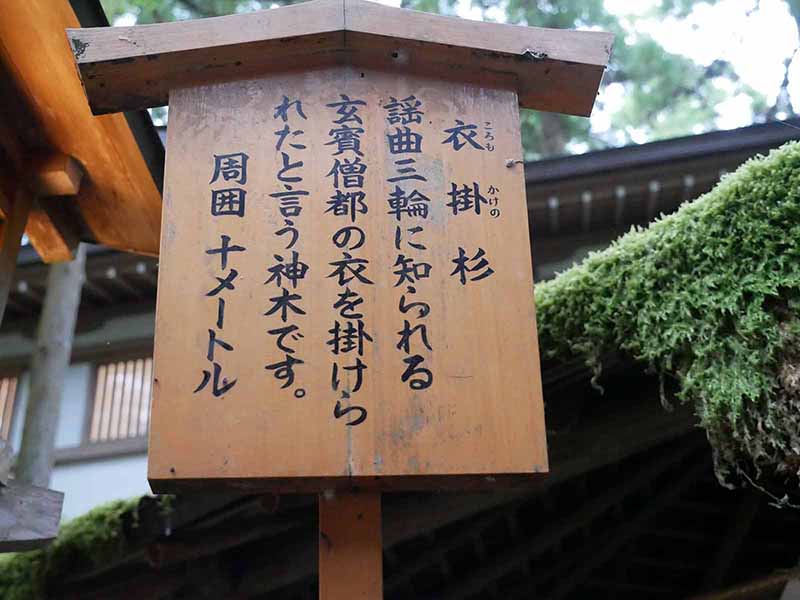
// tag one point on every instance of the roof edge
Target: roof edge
(750, 138)
(134, 67)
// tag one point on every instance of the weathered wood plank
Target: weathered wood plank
(29, 516)
(135, 67)
(119, 202)
(478, 417)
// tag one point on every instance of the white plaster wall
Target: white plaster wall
(73, 407)
(87, 484)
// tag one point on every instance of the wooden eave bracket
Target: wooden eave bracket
(131, 68)
(52, 177)
(56, 174)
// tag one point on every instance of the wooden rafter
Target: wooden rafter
(118, 203)
(514, 557)
(577, 571)
(25, 150)
(14, 211)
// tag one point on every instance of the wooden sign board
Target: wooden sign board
(345, 290)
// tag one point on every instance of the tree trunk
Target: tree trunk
(554, 138)
(49, 364)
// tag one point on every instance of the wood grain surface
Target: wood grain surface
(481, 416)
(350, 546)
(118, 200)
(126, 68)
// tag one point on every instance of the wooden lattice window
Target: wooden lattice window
(121, 406)
(8, 394)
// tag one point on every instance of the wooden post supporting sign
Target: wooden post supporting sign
(350, 549)
(345, 290)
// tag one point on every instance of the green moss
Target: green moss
(710, 295)
(84, 542)
(20, 575)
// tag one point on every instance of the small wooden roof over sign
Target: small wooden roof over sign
(128, 68)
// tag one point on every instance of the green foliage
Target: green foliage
(665, 94)
(157, 11)
(20, 575)
(709, 295)
(85, 542)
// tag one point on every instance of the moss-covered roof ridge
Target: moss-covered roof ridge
(710, 295)
(82, 543)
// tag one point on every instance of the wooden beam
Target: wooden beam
(165, 553)
(10, 238)
(118, 201)
(56, 175)
(54, 241)
(513, 557)
(350, 546)
(19, 133)
(159, 584)
(580, 570)
(127, 68)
